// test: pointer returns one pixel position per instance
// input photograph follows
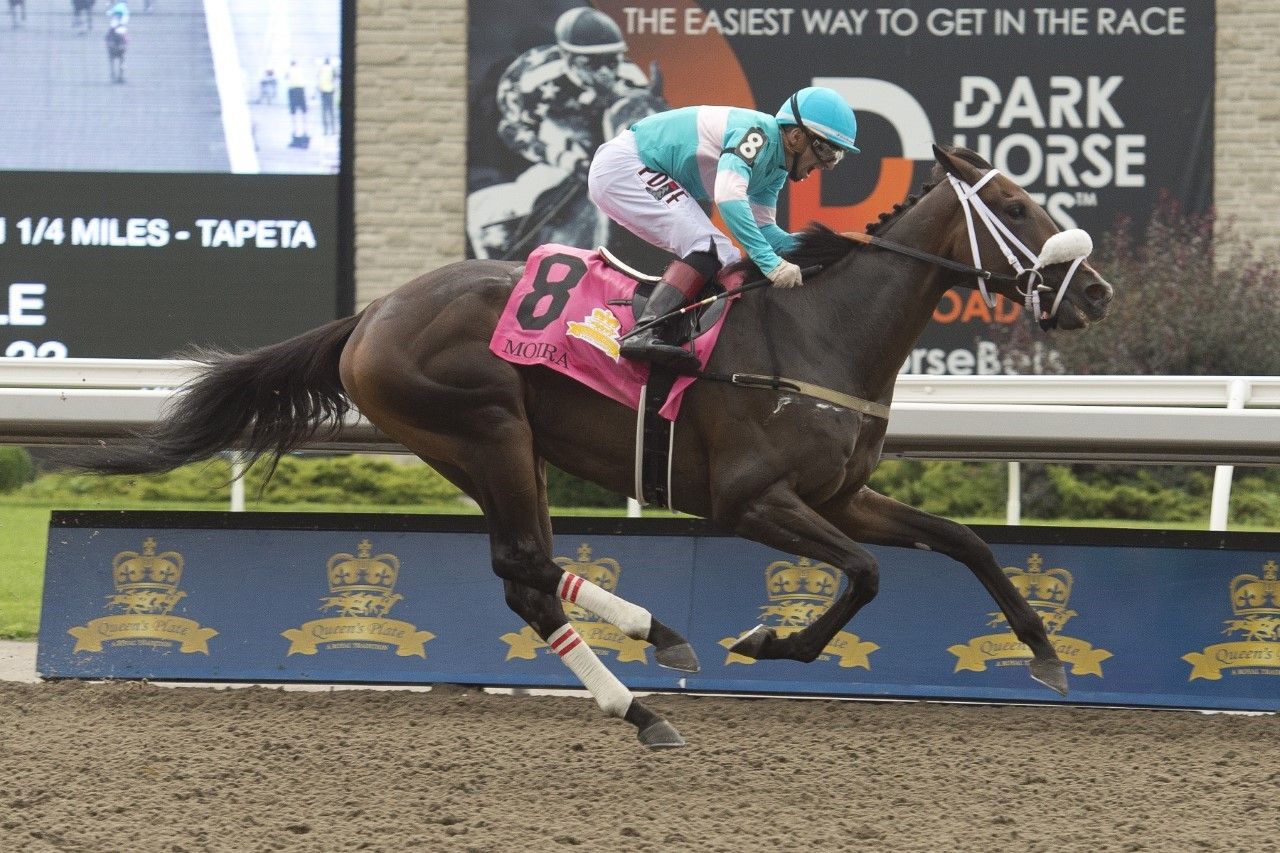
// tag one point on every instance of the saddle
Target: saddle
(568, 311)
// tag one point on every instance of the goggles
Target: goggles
(595, 61)
(829, 155)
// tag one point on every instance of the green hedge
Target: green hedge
(1168, 493)
(355, 480)
(948, 488)
(16, 468)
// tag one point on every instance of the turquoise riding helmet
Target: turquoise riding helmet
(824, 113)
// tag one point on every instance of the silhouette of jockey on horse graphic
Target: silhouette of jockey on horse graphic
(555, 102)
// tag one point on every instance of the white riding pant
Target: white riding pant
(651, 205)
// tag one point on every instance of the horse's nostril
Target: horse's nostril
(1098, 292)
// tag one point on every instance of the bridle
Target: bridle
(1072, 245)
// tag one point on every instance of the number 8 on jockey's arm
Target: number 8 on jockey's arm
(650, 178)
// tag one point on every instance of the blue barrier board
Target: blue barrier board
(1153, 618)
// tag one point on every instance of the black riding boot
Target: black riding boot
(656, 344)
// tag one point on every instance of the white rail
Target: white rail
(1206, 420)
(1185, 419)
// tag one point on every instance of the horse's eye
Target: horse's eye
(1016, 210)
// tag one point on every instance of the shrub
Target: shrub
(16, 468)
(1190, 300)
(952, 489)
(355, 480)
(567, 490)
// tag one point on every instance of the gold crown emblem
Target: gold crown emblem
(604, 573)
(799, 592)
(804, 579)
(1046, 591)
(599, 328)
(1256, 604)
(362, 585)
(1256, 596)
(349, 573)
(146, 582)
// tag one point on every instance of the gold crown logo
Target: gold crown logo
(1046, 591)
(599, 328)
(803, 579)
(146, 582)
(1256, 596)
(604, 573)
(799, 592)
(362, 585)
(1256, 604)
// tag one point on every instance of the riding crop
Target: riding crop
(693, 306)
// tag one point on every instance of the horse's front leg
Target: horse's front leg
(878, 520)
(780, 519)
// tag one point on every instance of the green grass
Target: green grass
(23, 535)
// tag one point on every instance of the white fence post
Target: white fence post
(237, 482)
(1220, 505)
(1013, 502)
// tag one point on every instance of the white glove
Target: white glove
(785, 274)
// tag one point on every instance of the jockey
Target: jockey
(119, 14)
(651, 177)
(553, 98)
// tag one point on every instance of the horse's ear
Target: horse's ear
(655, 78)
(956, 166)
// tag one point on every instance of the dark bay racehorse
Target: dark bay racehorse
(784, 469)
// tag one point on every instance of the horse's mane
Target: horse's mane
(819, 245)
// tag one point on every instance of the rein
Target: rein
(920, 255)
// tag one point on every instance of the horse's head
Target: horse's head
(999, 228)
(634, 106)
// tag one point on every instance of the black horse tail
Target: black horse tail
(264, 402)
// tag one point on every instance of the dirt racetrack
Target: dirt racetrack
(133, 767)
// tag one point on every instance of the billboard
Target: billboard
(1149, 618)
(173, 173)
(1094, 109)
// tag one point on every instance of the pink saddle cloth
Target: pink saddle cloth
(560, 316)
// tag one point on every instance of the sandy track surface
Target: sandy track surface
(108, 767)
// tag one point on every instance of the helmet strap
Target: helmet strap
(795, 113)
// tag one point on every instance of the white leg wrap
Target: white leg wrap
(610, 694)
(633, 620)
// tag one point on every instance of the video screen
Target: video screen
(171, 173)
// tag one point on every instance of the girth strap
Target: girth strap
(779, 383)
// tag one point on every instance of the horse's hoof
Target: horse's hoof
(661, 735)
(752, 643)
(681, 657)
(1051, 674)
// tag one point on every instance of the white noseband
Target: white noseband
(1073, 245)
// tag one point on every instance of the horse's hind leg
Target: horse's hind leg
(545, 615)
(878, 520)
(511, 483)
